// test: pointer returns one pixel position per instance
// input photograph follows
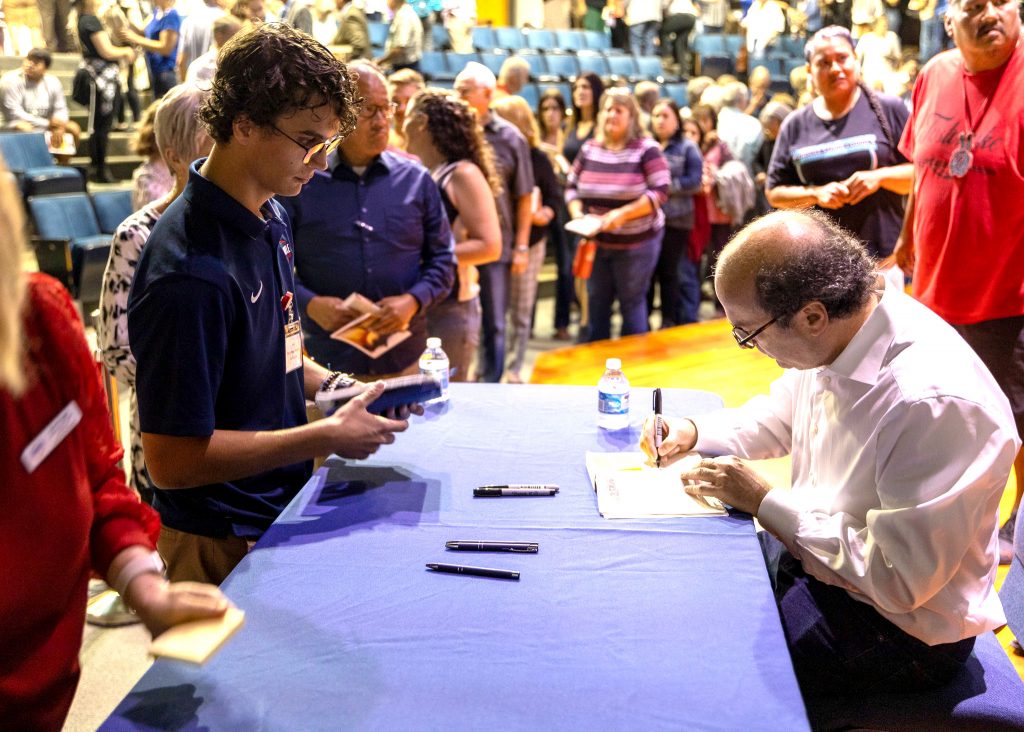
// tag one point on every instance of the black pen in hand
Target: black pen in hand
(658, 426)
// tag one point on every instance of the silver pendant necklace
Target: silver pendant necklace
(961, 159)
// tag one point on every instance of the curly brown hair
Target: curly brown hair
(454, 130)
(274, 70)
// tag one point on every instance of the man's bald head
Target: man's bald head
(789, 258)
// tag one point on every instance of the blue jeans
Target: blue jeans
(641, 38)
(841, 646)
(932, 33)
(494, 279)
(689, 290)
(457, 324)
(622, 275)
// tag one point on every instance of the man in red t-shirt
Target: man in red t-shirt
(963, 233)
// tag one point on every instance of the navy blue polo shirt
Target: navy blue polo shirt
(206, 323)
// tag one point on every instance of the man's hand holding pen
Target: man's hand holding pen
(677, 438)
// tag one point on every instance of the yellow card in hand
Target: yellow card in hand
(198, 640)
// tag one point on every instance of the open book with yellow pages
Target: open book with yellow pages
(627, 487)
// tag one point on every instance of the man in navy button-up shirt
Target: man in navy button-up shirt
(372, 223)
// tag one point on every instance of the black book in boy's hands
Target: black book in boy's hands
(398, 391)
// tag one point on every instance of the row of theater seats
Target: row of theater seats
(71, 229)
(532, 91)
(488, 38)
(441, 65)
(716, 54)
(72, 234)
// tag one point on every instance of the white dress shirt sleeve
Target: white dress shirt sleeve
(761, 428)
(938, 475)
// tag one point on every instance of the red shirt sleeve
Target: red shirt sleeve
(120, 519)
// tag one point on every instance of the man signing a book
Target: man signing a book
(883, 554)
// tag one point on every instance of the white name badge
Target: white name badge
(292, 347)
(51, 436)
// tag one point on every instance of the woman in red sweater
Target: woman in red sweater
(65, 509)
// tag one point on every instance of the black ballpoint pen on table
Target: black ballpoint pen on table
(475, 571)
(530, 547)
(658, 424)
(494, 491)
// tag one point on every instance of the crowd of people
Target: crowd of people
(293, 183)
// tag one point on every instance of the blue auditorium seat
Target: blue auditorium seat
(733, 43)
(541, 40)
(457, 61)
(378, 33)
(709, 43)
(434, 66)
(596, 40)
(591, 61)
(70, 217)
(623, 67)
(510, 39)
(569, 40)
(650, 69)
(29, 159)
(493, 59)
(563, 65)
(440, 35)
(538, 64)
(677, 91)
(483, 38)
(112, 207)
(531, 94)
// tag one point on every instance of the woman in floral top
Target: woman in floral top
(181, 139)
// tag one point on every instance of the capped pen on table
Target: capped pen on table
(658, 426)
(475, 571)
(530, 547)
(492, 491)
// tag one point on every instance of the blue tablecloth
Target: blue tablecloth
(613, 625)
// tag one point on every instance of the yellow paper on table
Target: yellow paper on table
(198, 640)
(627, 487)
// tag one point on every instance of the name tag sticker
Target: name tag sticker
(51, 436)
(292, 347)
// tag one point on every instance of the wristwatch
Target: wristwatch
(335, 380)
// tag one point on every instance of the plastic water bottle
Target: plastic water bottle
(434, 362)
(613, 397)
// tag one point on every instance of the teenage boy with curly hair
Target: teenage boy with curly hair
(212, 318)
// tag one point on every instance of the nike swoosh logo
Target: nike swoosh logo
(254, 298)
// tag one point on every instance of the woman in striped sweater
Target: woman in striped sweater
(621, 179)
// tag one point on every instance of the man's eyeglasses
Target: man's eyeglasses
(327, 145)
(369, 111)
(746, 340)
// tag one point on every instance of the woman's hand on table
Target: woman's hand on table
(678, 436)
(161, 604)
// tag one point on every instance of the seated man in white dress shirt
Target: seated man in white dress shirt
(884, 552)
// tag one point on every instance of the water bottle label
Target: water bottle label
(608, 403)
